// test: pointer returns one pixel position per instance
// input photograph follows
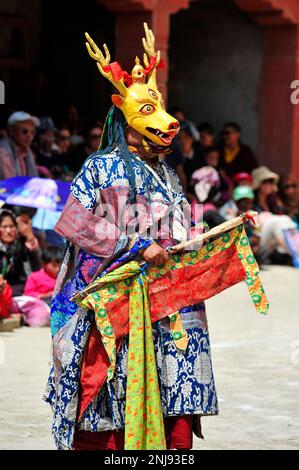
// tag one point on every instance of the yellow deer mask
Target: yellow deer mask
(139, 98)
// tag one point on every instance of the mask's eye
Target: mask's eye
(147, 109)
(152, 93)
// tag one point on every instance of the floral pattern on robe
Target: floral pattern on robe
(104, 180)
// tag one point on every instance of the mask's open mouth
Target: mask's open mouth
(165, 137)
(156, 148)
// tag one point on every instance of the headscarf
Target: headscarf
(205, 179)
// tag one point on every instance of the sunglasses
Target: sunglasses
(268, 181)
(226, 133)
(26, 131)
(291, 186)
(64, 137)
(94, 136)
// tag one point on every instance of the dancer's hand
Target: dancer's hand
(154, 254)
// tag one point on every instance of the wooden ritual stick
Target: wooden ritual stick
(218, 230)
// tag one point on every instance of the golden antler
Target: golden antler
(149, 44)
(149, 47)
(103, 63)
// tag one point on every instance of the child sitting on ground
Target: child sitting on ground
(40, 284)
(39, 287)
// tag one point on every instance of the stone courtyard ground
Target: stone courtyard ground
(256, 367)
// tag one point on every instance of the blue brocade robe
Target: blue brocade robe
(99, 205)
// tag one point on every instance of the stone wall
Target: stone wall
(215, 64)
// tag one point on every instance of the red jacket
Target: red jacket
(5, 302)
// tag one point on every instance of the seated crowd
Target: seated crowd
(222, 174)
(28, 269)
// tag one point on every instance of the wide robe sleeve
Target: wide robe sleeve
(91, 232)
(97, 213)
(90, 217)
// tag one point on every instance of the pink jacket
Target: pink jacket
(39, 282)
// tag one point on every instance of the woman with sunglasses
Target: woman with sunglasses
(288, 193)
(63, 141)
(82, 151)
(273, 219)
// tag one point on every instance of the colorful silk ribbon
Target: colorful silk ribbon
(130, 298)
(144, 425)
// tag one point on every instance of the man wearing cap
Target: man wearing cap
(243, 197)
(242, 201)
(16, 157)
(242, 179)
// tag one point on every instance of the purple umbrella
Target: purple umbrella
(40, 193)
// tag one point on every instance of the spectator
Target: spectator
(19, 250)
(179, 114)
(229, 210)
(242, 179)
(206, 140)
(235, 156)
(61, 170)
(78, 156)
(265, 186)
(3, 131)
(211, 158)
(63, 141)
(23, 213)
(5, 299)
(242, 200)
(46, 149)
(191, 159)
(72, 122)
(206, 134)
(243, 197)
(40, 284)
(207, 184)
(273, 248)
(288, 196)
(175, 159)
(16, 157)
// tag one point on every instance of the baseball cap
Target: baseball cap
(242, 192)
(21, 116)
(46, 123)
(242, 176)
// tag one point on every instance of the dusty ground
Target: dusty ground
(256, 365)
